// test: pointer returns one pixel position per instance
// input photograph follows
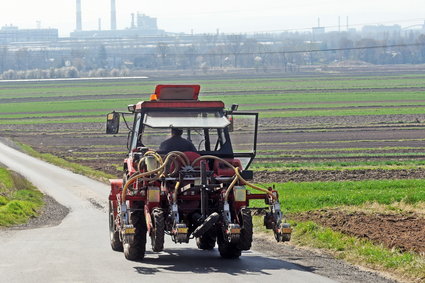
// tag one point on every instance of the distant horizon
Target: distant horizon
(237, 16)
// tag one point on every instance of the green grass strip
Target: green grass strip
(76, 168)
(358, 251)
(19, 199)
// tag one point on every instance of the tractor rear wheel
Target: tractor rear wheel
(114, 235)
(158, 230)
(206, 241)
(245, 240)
(135, 249)
(226, 249)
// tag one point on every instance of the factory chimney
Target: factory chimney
(79, 25)
(113, 16)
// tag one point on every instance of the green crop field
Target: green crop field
(368, 96)
(298, 197)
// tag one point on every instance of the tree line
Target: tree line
(262, 52)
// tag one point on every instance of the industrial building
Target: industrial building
(12, 34)
(141, 25)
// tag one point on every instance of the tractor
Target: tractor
(202, 193)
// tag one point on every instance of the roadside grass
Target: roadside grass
(374, 195)
(403, 265)
(74, 167)
(19, 199)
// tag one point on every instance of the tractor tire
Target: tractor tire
(135, 249)
(206, 241)
(227, 250)
(158, 230)
(207, 225)
(246, 231)
(114, 235)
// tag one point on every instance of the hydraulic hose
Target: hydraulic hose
(237, 178)
(158, 171)
(184, 160)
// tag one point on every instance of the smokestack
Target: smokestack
(133, 25)
(339, 24)
(113, 16)
(79, 25)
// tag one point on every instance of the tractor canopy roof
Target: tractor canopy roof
(177, 106)
(175, 97)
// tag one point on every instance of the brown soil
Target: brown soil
(404, 232)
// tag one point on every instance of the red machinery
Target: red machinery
(202, 194)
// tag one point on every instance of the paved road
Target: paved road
(78, 249)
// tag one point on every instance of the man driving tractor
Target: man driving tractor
(176, 143)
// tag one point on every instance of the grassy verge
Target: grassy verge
(19, 199)
(390, 195)
(407, 265)
(403, 265)
(76, 168)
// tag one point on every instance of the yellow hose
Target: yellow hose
(150, 153)
(141, 175)
(184, 160)
(237, 178)
(176, 189)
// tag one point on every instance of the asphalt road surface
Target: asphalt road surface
(78, 249)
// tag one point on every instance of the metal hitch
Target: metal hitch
(283, 232)
(233, 233)
(128, 233)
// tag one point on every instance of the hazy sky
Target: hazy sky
(229, 16)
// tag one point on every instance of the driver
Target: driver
(176, 142)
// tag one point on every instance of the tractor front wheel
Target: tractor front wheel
(158, 230)
(229, 250)
(206, 241)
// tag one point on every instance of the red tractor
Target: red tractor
(200, 193)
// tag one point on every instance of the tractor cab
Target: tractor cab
(206, 124)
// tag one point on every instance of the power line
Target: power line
(336, 26)
(282, 52)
